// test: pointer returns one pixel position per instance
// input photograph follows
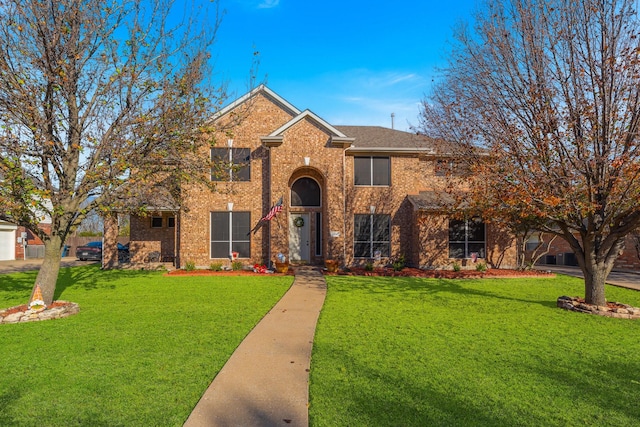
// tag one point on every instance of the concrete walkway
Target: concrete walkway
(266, 380)
(624, 279)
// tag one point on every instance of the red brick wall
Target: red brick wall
(629, 260)
(145, 239)
(32, 239)
(275, 169)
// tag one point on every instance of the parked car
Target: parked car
(93, 251)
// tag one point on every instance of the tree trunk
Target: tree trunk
(110, 241)
(594, 281)
(48, 274)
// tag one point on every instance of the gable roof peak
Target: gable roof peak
(260, 89)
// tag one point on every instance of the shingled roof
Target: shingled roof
(378, 137)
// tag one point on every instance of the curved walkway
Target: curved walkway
(266, 380)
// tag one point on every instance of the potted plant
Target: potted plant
(332, 265)
(282, 265)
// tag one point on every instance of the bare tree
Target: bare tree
(99, 101)
(551, 90)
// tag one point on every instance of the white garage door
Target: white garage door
(7, 243)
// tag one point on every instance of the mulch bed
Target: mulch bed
(223, 273)
(385, 272)
(443, 274)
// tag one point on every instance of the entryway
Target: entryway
(299, 237)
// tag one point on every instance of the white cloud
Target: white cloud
(268, 4)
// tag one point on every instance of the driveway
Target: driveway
(624, 279)
(34, 264)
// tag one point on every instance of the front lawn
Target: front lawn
(141, 351)
(429, 352)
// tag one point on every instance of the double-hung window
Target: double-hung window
(231, 164)
(372, 171)
(230, 232)
(371, 233)
(466, 237)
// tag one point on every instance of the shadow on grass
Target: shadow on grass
(90, 277)
(383, 397)
(611, 385)
(404, 285)
(370, 396)
(7, 397)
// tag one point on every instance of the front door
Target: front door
(299, 237)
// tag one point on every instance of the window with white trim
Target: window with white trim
(372, 171)
(230, 232)
(231, 164)
(371, 233)
(466, 237)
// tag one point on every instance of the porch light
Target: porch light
(230, 142)
(372, 209)
(307, 160)
(230, 206)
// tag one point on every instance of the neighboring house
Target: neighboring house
(350, 193)
(560, 253)
(7, 241)
(15, 240)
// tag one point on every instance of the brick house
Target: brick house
(15, 239)
(350, 193)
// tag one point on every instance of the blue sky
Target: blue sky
(350, 62)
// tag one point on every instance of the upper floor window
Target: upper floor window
(466, 237)
(156, 221)
(231, 164)
(305, 192)
(372, 170)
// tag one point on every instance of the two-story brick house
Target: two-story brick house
(351, 193)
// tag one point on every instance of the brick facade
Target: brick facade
(628, 260)
(286, 145)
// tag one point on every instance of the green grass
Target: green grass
(428, 352)
(141, 351)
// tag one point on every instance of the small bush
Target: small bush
(368, 266)
(215, 266)
(190, 266)
(457, 266)
(236, 265)
(481, 266)
(399, 264)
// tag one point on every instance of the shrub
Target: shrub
(399, 263)
(456, 266)
(190, 266)
(236, 265)
(215, 266)
(368, 266)
(481, 266)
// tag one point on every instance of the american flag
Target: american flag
(273, 211)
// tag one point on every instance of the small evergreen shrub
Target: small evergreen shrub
(481, 266)
(236, 265)
(457, 266)
(190, 266)
(215, 266)
(399, 263)
(368, 266)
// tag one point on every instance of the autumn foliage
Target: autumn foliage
(541, 99)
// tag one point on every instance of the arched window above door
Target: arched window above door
(305, 192)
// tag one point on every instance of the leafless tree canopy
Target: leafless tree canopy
(98, 101)
(551, 88)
